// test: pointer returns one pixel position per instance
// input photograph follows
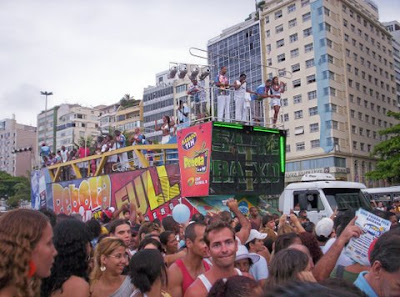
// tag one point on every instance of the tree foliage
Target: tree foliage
(14, 188)
(127, 101)
(388, 154)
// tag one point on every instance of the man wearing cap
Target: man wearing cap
(255, 245)
(324, 231)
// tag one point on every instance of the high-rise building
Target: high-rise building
(76, 123)
(394, 29)
(46, 128)
(158, 101)
(17, 147)
(163, 99)
(338, 65)
(239, 49)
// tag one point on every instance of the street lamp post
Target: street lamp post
(45, 93)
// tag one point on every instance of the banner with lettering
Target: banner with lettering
(194, 148)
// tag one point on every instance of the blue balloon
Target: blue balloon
(181, 213)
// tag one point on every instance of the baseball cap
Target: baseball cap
(324, 227)
(243, 253)
(254, 234)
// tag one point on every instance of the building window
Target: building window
(268, 32)
(294, 53)
(313, 111)
(297, 99)
(306, 16)
(291, 7)
(305, 3)
(296, 83)
(299, 130)
(355, 145)
(281, 58)
(279, 29)
(278, 14)
(292, 23)
(298, 114)
(353, 129)
(312, 95)
(300, 146)
(314, 127)
(293, 37)
(307, 32)
(267, 19)
(308, 47)
(280, 43)
(328, 75)
(311, 79)
(332, 125)
(296, 67)
(286, 117)
(310, 63)
(314, 143)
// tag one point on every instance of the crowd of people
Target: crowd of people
(224, 254)
(102, 144)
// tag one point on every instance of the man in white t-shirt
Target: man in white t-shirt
(255, 245)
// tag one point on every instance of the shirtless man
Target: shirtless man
(184, 271)
(220, 240)
(255, 218)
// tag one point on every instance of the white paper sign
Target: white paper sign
(372, 227)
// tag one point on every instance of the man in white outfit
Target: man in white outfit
(223, 99)
(240, 95)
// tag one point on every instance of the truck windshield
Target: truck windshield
(343, 199)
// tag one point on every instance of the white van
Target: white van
(320, 195)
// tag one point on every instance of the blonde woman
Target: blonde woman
(26, 252)
(106, 279)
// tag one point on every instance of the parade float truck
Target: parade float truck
(213, 162)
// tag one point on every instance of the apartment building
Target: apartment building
(128, 118)
(74, 123)
(17, 147)
(46, 128)
(394, 29)
(107, 117)
(337, 61)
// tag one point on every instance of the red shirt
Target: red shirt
(81, 152)
(187, 278)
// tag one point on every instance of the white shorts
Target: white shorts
(275, 101)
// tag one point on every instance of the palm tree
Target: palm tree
(127, 100)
